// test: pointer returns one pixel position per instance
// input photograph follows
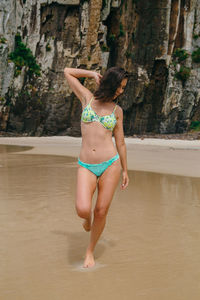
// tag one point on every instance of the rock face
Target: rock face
(154, 40)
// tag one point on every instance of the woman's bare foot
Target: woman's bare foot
(89, 260)
(87, 224)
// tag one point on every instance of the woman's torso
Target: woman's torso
(98, 120)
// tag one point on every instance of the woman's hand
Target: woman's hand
(97, 77)
(125, 180)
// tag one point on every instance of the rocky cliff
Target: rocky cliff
(158, 41)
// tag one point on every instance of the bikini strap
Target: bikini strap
(91, 100)
(115, 108)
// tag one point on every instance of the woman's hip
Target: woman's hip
(98, 168)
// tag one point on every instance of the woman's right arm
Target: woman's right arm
(72, 75)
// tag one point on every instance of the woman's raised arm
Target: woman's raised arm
(72, 75)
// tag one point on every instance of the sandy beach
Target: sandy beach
(151, 237)
(177, 157)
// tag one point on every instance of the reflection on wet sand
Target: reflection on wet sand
(150, 248)
(4, 149)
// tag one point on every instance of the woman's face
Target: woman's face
(121, 88)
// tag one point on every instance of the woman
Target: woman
(99, 163)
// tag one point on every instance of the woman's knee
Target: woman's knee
(83, 211)
(100, 212)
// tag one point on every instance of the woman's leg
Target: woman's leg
(86, 185)
(106, 187)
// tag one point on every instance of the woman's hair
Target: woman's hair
(109, 83)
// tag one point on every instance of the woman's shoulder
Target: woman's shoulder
(118, 112)
(118, 109)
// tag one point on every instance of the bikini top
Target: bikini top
(89, 115)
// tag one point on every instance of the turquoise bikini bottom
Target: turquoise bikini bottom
(98, 169)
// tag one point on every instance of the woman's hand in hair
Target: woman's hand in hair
(97, 77)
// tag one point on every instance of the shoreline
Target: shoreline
(187, 136)
(166, 156)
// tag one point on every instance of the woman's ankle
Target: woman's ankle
(89, 250)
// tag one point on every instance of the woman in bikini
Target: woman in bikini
(100, 161)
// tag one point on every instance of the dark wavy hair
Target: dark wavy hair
(109, 83)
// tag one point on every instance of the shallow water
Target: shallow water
(150, 249)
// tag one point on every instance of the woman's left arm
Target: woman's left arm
(121, 146)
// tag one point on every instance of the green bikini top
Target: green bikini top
(89, 115)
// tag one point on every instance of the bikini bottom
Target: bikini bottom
(98, 169)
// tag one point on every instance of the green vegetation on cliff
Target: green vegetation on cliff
(121, 30)
(180, 54)
(196, 56)
(195, 125)
(3, 40)
(183, 74)
(23, 56)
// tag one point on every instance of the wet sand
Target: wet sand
(150, 248)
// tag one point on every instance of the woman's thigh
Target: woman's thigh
(107, 184)
(86, 185)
